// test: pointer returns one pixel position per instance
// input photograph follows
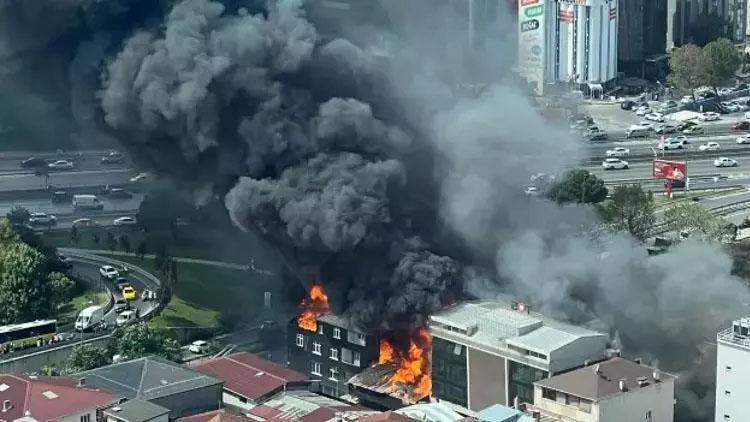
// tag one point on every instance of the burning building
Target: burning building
(329, 348)
(492, 352)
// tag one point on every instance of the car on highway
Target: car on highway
(42, 219)
(618, 152)
(642, 111)
(682, 138)
(33, 162)
(671, 143)
(125, 317)
(709, 116)
(124, 221)
(614, 164)
(113, 157)
(710, 146)
(654, 117)
(121, 283)
(140, 177)
(596, 136)
(83, 222)
(61, 196)
(531, 191)
(744, 139)
(119, 193)
(61, 165)
(129, 293)
(725, 162)
(637, 131)
(666, 128)
(108, 271)
(693, 130)
(121, 305)
(743, 125)
(199, 347)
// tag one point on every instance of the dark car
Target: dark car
(122, 283)
(743, 125)
(34, 162)
(113, 158)
(121, 305)
(61, 196)
(627, 105)
(118, 193)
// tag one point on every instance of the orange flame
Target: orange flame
(313, 307)
(413, 367)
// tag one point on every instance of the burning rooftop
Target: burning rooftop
(312, 307)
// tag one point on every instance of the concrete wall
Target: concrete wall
(57, 356)
(486, 380)
(732, 387)
(657, 398)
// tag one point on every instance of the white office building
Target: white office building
(570, 41)
(733, 372)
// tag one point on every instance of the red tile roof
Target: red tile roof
(214, 416)
(387, 416)
(47, 398)
(250, 376)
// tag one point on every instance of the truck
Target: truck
(87, 202)
(89, 318)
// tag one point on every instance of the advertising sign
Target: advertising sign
(531, 42)
(671, 170)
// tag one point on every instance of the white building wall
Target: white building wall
(234, 401)
(565, 412)
(657, 398)
(76, 417)
(732, 375)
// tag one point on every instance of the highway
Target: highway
(644, 149)
(695, 167)
(62, 180)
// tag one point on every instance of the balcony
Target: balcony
(728, 336)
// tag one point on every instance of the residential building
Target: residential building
(305, 406)
(333, 353)
(500, 413)
(45, 399)
(491, 352)
(249, 380)
(136, 410)
(214, 416)
(616, 390)
(568, 41)
(733, 371)
(182, 390)
(642, 38)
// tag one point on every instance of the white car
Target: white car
(682, 138)
(139, 177)
(710, 146)
(199, 347)
(124, 221)
(693, 130)
(655, 117)
(618, 152)
(744, 139)
(61, 165)
(642, 111)
(614, 164)
(108, 271)
(531, 191)
(709, 116)
(646, 124)
(40, 218)
(125, 318)
(725, 162)
(671, 143)
(686, 99)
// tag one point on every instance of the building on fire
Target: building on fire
(330, 352)
(485, 353)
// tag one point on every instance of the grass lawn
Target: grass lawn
(69, 311)
(204, 292)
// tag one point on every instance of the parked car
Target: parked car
(642, 111)
(666, 129)
(614, 164)
(687, 99)
(710, 146)
(129, 293)
(199, 347)
(113, 158)
(33, 162)
(744, 139)
(61, 165)
(42, 219)
(618, 152)
(124, 221)
(655, 117)
(108, 271)
(725, 162)
(693, 130)
(743, 125)
(709, 116)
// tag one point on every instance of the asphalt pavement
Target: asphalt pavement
(68, 179)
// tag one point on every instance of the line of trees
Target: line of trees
(712, 65)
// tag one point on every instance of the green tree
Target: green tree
(630, 209)
(693, 219)
(61, 288)
(140, 250)
(125, 243)
(140, 340)
(75, 236)
(110, 242)
(7, 234)
(578, 186)
(687, 66)
(86, 357)
(18, 215)
(24, 294)
(723, 61)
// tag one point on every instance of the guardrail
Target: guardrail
(681, 155)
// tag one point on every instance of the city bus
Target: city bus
(27, 334)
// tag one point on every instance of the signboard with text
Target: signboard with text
(670, 170)
(531, 40)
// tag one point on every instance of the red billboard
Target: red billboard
(672, 170)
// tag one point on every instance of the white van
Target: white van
(125, 317)
(637, 131)
(87, 202)
(89, 318)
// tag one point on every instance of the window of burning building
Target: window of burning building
(334, 353)
(356, 338)
(316, 368)
(300, 340)
(521, 381)
(317, 348)
(350, 357)
(449, 381)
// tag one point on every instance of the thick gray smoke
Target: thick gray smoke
(363, 155)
